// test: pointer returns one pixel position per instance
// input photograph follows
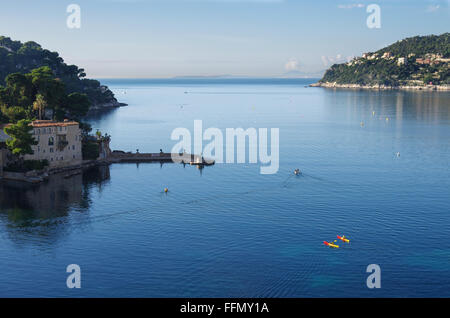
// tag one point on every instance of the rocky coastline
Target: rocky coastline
(382, 87)
(38, 176)
(106, 106)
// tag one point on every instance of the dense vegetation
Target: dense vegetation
(90, 149)
(17, 57)
(421, 45)
(376, 70)
(39, 95)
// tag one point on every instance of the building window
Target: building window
(62, 158)
(39, 149)
(51, 159)
(73, 156)
(51, 141)
(51, 149)
(73, 147)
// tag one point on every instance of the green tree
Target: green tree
(85, 129)
(77, 105)
(90, 150)
(21, 138)
(18, 91)
(51, 88)
(14, 114)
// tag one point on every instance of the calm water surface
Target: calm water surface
(228, 231)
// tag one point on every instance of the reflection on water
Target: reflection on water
(231, 231)
(24, 205)
(398, 105)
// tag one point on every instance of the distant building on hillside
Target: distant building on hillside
(58, 142)
(387, 55)
(423, 61)
(402, 61)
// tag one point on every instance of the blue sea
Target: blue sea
(375, 168)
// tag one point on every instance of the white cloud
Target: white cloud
(433, 7)
(351, 6)
(328, 60)
(292, 64)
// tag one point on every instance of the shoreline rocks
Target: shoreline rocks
(38, 176)
(382, 87)
(106, 106)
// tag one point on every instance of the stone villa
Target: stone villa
(58, 142)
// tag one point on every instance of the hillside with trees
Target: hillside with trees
(416, 61)
(17, 57)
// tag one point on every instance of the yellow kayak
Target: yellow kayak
(330, 244)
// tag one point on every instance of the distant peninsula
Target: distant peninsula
(420, 62)
(18, 57)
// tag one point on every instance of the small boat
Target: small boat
(297, 172)
(204, 163)
(201, 162)
(330, 244)
(343, 239)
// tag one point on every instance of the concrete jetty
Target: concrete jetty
(117, 156)
(121, 156)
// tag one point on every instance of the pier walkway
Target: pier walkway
(120, 156)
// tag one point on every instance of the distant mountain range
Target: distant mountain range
(290, 74)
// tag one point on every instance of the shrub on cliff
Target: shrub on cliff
(90, 149)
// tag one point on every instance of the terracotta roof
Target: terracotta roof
(51, 123)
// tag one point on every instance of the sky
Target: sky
(258, 38)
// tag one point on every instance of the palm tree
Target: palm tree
(39, 105)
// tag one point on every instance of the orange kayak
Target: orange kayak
(330, 244)
(343, 239)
